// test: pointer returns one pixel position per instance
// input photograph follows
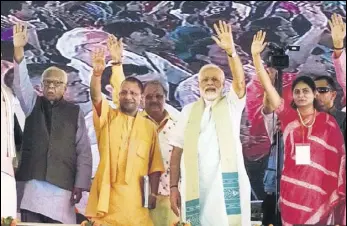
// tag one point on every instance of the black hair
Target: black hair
(328, 79)
(308, 81)
(132, 79)
(8, 6)
(155, 82)
(190, 7)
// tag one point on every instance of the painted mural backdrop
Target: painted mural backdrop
(170, 41)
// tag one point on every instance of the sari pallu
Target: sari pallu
(312, 194)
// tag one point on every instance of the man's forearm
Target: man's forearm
(239, 84)
(116, 80)
(18, 54)
(154, 180)
(95, 93)
(23, 87)
(338, 48)
(340, 69)
(175, 163)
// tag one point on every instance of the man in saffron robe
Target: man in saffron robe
(208, 134)
(129, 149)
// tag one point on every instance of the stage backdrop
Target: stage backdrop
(170, 41)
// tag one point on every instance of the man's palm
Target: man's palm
(226, 41)
(20, 35)
(98, 61)
(338, 28)
(224, 37)
(115, 47)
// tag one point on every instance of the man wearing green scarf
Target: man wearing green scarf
(216, 188)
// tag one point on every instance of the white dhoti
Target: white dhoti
(8, 196)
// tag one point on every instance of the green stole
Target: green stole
(224, 127)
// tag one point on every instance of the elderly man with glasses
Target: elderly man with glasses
(56, 161)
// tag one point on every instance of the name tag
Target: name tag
(302, 154)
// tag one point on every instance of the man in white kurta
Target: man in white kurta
(213, 211)
(212, 202)
(8, 152)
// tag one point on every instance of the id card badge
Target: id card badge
(302, 154)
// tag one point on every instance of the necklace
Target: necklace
(302, 121)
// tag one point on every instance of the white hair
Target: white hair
(55, 70)
(211, 67)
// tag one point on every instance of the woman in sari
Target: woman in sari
(313, 182)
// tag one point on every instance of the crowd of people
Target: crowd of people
(193, 158)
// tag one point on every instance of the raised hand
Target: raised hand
(338, 30)
(224, 37)
(115, 47)
(258, 44)
(98, 61)
(20, 35)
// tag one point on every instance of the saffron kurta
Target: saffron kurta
(129, 149)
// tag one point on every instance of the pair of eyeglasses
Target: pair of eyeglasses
(323, 89)
(55, 83)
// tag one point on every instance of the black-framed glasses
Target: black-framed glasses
(323, 89)
(55, 83)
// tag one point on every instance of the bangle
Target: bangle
(154, 195)
(173, 186)
(339, 48)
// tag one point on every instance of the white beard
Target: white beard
(210, 96)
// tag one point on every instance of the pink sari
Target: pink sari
(315, 193)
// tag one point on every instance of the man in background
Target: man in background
(154, 102)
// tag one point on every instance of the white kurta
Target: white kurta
(213, 210)
(8, 196)
(8, 183)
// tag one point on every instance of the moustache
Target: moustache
(128, 102)
(154, 104)
(210, 89)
